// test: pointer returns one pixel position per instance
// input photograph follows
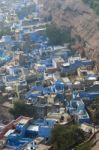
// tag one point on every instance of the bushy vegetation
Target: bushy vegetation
(93, 107)
(85, 146)
(97, 24)
(21, 109)
(4, 31)
(93, 4)
(58, 36)
(64, 138)
(25, 11)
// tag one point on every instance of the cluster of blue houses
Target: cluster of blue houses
(4, 57)
(75, 63)
(27, 130)
(91, 93)
(44, 76)
(57, 87)
(77, 108)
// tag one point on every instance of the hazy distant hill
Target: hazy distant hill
(79, 16)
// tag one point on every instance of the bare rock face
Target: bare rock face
(77, 15)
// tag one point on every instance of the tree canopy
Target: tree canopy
(93, 4)
(93, 107)
(85, 146)
(58, 36)
(4, 31)
(21, 109)
(64, 138)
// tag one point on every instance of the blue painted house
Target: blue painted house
(26, 132)
(75, 64)
(76, 107)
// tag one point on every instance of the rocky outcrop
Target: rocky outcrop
(78, 16)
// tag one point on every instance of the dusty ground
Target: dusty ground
(96, 147)
(5, 116)
(78, 16)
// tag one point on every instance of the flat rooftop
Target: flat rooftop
(43, 147)
(33, 128)
(23, 121)
(59, 59)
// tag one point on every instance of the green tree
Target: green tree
(83, 54)
(58, 36)
(21, 109)
(85, 146)
(64, 138)
(95, 103)
(4, 31)
(93, 4)
(93, 108)
(96, 116)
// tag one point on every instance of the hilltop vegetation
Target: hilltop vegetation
(58, 36)
(93, 4)
(21, 109)
(79, 15)
(4, 31)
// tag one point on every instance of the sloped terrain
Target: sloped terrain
(80, 17)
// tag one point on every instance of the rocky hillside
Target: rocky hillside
(80, 17)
